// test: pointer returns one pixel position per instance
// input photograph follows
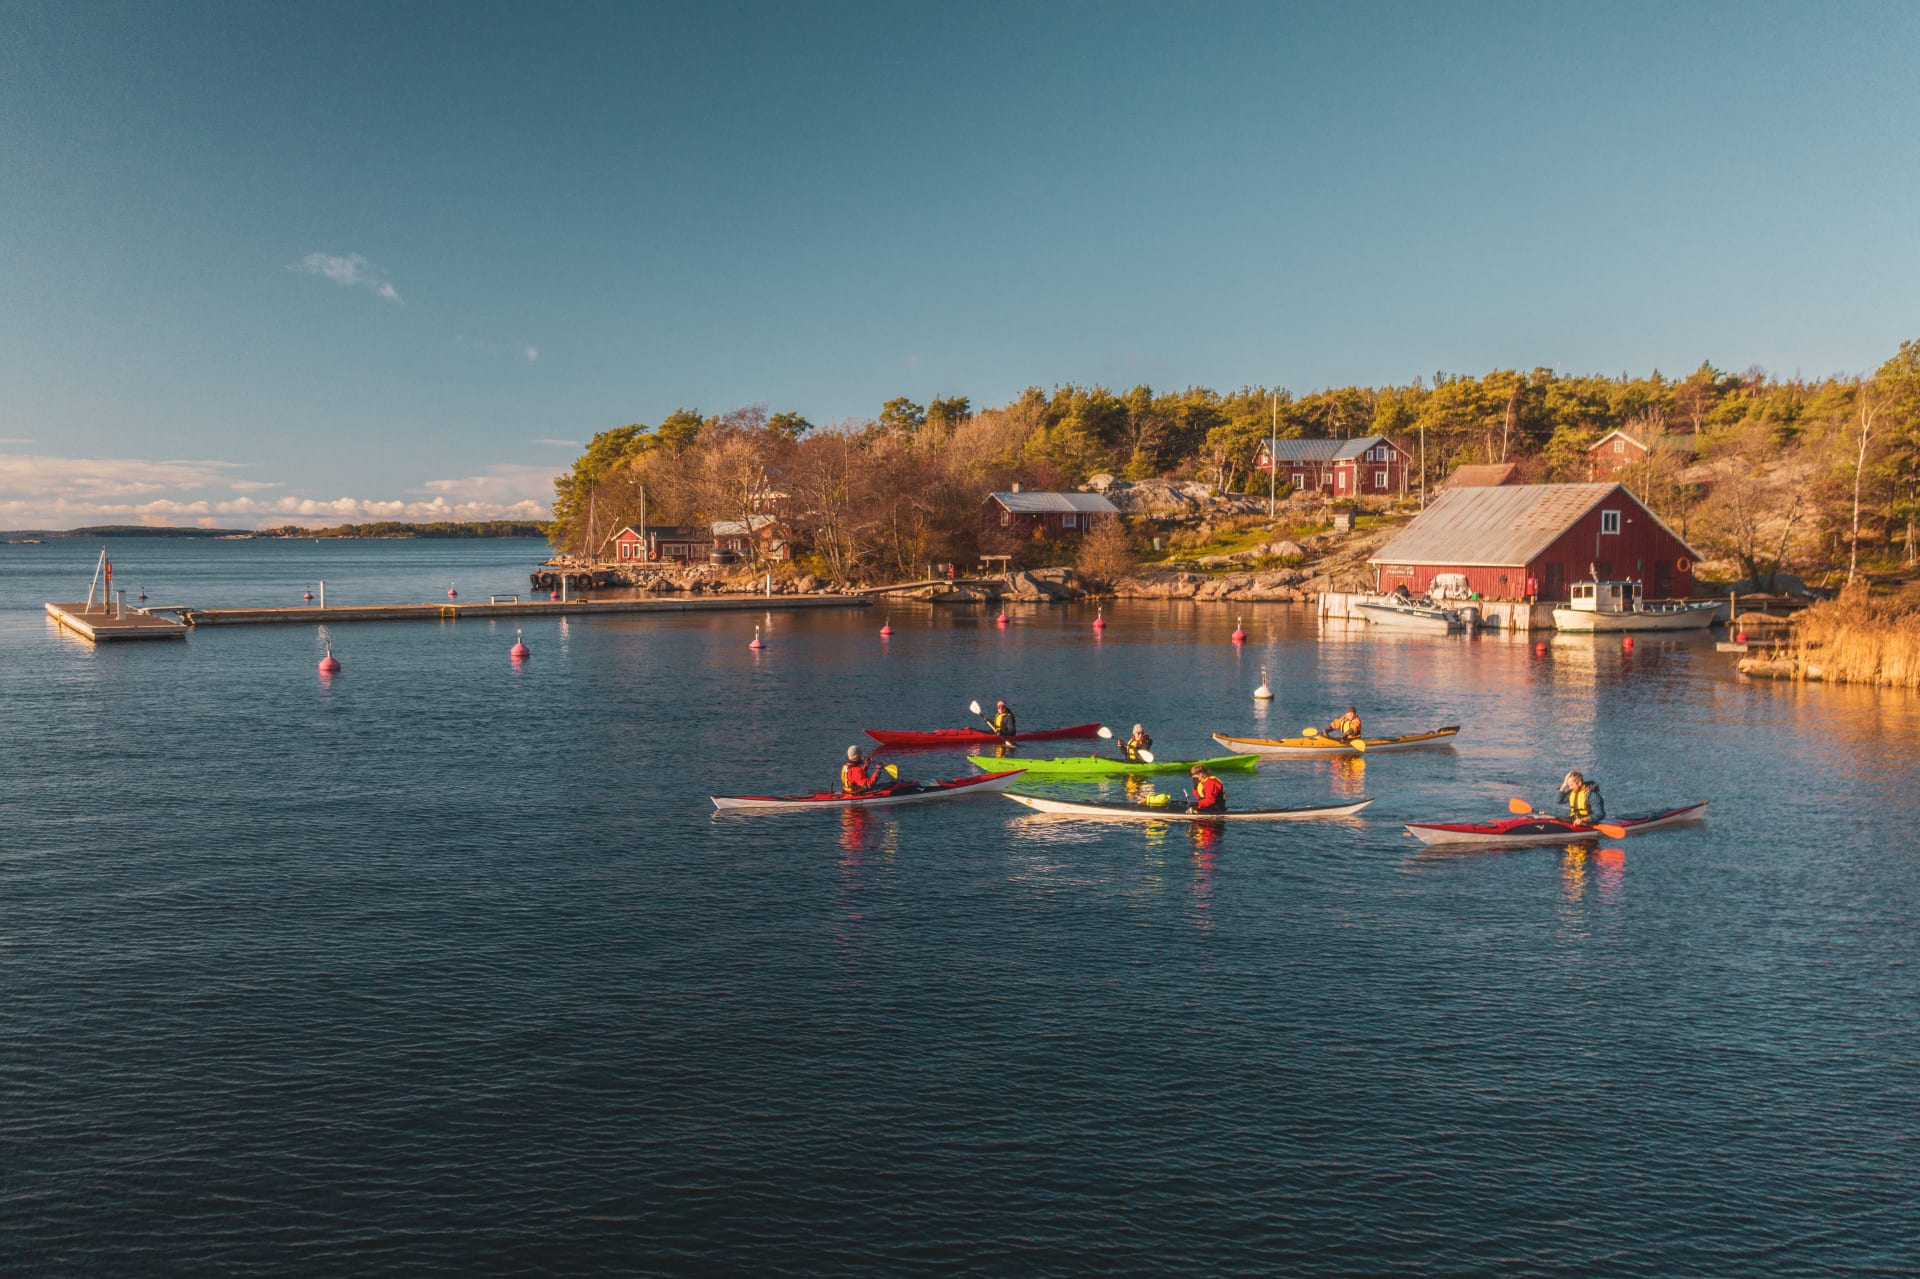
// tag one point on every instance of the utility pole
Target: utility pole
(1273, 462)
(1423, 466)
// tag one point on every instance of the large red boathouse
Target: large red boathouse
(1530, 541)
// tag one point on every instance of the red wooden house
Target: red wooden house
(1371, 467)
(1617, 451)
(1530, 541)
(1055, 514)
(658, 545)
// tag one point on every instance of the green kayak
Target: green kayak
(1097, 766)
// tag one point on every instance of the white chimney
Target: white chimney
(1016, 486)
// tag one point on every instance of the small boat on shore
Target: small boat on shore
(961, 737)
(1399, 614)
(1175, 812)
(1100, 766)
(1544, 828)
(1311, 747)
(1598, 605)
(899, 793)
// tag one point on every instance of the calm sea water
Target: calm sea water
(444, 966)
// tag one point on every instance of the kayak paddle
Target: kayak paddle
(1524, 809)
(1309, 731)
(1144, 755)
(1357, 744)
(975, 708)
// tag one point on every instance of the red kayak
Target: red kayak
(898, 793)
(965, 737)
(1543, 828)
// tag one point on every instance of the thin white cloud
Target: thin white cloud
(11, 439)
(561, 444)
(37, 491)
(533, 354)
(349, 271)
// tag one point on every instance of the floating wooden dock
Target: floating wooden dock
(451, 612)
(103, 622)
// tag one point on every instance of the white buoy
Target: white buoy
(1263, 693)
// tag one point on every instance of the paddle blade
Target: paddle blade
(1309, 731)
(892, 771)
(1610, 830)
(1357, 744)
(974, 707)
(1146, 756)
(1105, 732)
(1519, 806)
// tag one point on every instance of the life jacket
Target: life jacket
(1132, 748)
(1002, 723)
(1209, 796)
(855, 777)
(1348, 724)
(1585, 805)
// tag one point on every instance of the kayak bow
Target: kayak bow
(973, 736)
(1308, 747)
(1175, 813)
(1099, 766)
(1542, 828)
(900, 793)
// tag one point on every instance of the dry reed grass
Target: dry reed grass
(1854, 639)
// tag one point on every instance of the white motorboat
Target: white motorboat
(1617, 606)
(1406, 615)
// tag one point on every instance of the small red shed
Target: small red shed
(1530, 541)
(681, 545)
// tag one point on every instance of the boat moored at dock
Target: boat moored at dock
(1597, 605)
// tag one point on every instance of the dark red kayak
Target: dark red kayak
(965, 737)
(1544, 828)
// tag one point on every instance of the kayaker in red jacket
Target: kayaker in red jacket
(858, 775)
(1209, 796)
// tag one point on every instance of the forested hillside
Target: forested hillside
(1760, 471)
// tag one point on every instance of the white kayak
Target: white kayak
(1178, 813)
(899, 793)
(1546, 828)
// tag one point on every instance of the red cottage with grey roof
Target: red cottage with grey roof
(1054, 513)
(1532, 540)
(1370, 467)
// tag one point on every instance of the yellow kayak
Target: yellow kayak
(1309, 747)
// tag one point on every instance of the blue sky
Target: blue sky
(347, 261)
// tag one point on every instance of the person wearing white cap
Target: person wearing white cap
(1138, 741)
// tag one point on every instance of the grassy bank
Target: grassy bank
(1854, 639)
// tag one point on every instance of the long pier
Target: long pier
(451, 611)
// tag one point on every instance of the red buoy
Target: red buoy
(553, 595)
(1741, 638)
(329, 664)
(886, 629)
(1541, 648)
(756, 640)
(1100, 620)
(519, 652)
(307, 596)
(1239, 636)
(451, 593)
(1627, 643)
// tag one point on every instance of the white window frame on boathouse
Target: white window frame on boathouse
(1069, 520)
(1609, 523)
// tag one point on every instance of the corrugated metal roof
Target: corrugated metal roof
(1468, 477)
(1493, 527)
(1324, 450)
(1056, 503)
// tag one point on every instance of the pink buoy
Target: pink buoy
(1627, 643)
(1741, 638)
(886, 629)
(1541, 648)
(756, 645)
(329, 664)
(307, 596)
(519, 652)
(553, 595)
(1239, 636)
(451, 593)
(1000, 620)
(1100, 619)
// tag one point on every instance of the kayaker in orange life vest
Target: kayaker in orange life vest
(1209, 796)
(1346, 727)
(1001, 721)
(1137, 742)
(858, 775)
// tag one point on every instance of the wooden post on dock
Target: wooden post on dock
(323, 592)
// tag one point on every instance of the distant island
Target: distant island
(384, 528)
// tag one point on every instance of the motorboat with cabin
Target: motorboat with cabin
(1599, 605)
